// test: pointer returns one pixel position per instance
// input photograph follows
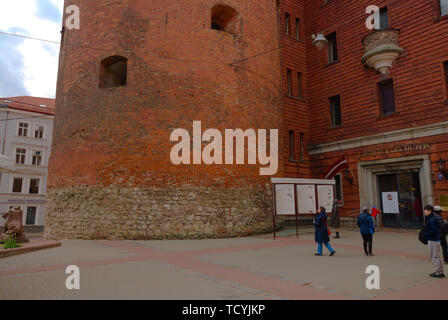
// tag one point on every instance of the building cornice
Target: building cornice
(386, 137)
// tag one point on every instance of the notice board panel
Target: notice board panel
(326, 197)
(306, 199)
(284, 199)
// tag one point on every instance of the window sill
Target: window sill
(30, 138)
(296, 161)
(295, 98)
(335, 127)
(293, 38)
(332, 63)
(389, 115)
(440, 18)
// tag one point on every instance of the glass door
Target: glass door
(404, 189)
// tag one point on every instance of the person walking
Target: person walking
(335, 219)
(443, 228)
(432, 234)
(321, 232)
(367, 228)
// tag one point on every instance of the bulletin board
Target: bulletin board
(294, 197)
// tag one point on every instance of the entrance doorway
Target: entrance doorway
(401, 199)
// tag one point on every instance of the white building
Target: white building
(26, 126)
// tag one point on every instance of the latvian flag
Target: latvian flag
(336, 167)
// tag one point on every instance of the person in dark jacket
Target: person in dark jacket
(367, 228)
(432, 233)
(335, 219)
(443, 231)
(321, 232)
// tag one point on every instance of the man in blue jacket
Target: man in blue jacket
(432, 233)
(367, 228)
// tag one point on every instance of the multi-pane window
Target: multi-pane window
(39, 132)
(20, 155)
(302, 146)
(384, 19)
(332, 48)
(17, 185)
(31, 215)
(37, 158)
(300, 85)
(289, 81)
(445, 69)
(287, 22)
(34, 186)
(387, 96)
(298, 29)
(292, 149)
(23, 129)
(443, 7)
(338, 187)
(335, 109)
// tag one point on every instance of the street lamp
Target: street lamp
(319, 41)
(348, 176)
(441, 166)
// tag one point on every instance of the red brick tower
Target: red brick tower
(135, 71)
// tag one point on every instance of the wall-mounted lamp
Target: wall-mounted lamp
(441, 166)
(319, 41)
(348, 176)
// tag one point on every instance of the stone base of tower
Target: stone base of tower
(157, 213)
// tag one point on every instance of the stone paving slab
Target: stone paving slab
(190, 245)
(241, 268)
(143, 280)
(70, 251)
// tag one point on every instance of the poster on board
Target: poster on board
(326, 196)
(284, 199)
(306, 199)
(390, 202)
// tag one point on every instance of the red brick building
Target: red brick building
(135, 71)
(391, 128)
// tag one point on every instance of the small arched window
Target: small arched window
(226, 19)
(114, 71)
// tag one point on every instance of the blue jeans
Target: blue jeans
(327, 244)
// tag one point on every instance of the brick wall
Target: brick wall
(117, 140)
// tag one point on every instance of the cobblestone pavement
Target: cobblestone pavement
(240, 268)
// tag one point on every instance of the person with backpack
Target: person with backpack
(431, 234)
(443, 227)
(367, 229)
(322, 235)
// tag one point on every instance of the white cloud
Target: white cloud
(40, 59)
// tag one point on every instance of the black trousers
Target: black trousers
(444, 248)
(368, 240)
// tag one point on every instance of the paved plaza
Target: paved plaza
(232, 269)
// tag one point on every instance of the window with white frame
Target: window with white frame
(34, 185)
(23, 129)
(20, 155)
(37, 158)
(17, 185)
(31, 215)
(39, 132)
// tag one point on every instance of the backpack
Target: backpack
(422, 236)
(442, 226)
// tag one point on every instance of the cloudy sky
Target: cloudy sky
(29, 67)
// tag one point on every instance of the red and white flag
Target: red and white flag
(339, 165)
